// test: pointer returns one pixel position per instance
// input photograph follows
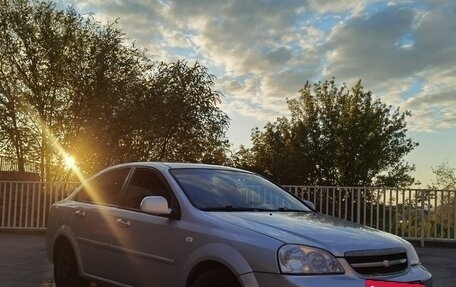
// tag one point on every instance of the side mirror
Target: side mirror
(309, 203)
(157, 205)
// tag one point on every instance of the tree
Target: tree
(69, 85)
(178, 118)
(14, 132)
(441, 198)
(61, 75)
(335, 136)
(102, 86)
(445, 177)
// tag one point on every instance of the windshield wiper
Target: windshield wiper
(285, 209)
(227, 208)
(234, 208)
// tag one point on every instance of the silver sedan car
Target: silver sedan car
(192, 225)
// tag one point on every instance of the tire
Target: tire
(220, 277)
(66, 273)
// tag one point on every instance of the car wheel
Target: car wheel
(66, 273)
(219, 277)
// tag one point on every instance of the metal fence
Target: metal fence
(25, 205)
(417, 214)
(11, 164)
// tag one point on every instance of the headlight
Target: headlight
(297, 259)
(411, 254)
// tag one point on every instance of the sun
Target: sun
(70, 162)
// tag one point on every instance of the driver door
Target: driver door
(147, 240)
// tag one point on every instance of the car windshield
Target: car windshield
(226, 190)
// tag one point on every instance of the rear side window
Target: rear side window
(104, 189)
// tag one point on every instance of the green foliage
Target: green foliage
(335, 136)
(177, 118)
(445, 177)
(71, 85)
(61, 75)
(445, 199)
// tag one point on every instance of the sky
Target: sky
(263, 51)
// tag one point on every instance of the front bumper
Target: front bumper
(415, 274)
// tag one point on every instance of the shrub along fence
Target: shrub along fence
(417, 214)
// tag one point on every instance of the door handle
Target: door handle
(80, 213)
(123, 223)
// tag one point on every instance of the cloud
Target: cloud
(397, 41)
(254, 42)
(263, 51)
(395, 47)
(369, 47)
(434, 106)
(325, 6)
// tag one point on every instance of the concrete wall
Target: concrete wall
(19, 176)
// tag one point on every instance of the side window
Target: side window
(144, 183)
(104, 189)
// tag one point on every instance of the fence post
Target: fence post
(422, 218)
(358, 208)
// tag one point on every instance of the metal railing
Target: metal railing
(25, 205)
(417, 214)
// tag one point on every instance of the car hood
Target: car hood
(312, 229)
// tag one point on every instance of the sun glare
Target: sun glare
(70, 162)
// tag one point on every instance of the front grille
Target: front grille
(378, 262)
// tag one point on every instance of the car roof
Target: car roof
(174, 165)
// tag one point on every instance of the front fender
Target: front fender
(66, 232)
(218, 252)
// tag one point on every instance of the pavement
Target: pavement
(24, 263)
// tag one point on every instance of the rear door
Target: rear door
(94, 223)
